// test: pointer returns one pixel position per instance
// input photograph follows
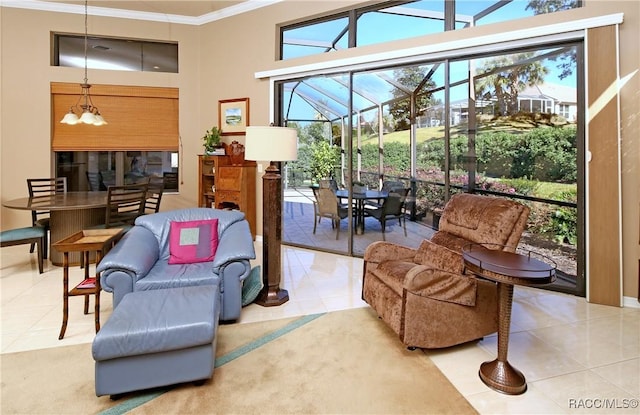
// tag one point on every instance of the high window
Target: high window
(394, 20)
(118, 54)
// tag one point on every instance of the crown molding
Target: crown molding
(137, 15)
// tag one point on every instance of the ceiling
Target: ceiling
(184, 12)
(182, 8)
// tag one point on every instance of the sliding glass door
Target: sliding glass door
(505, 124)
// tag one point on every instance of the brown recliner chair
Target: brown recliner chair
(424, 294)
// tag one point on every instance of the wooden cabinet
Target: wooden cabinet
(226, 186)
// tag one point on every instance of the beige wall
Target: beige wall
(218, 61)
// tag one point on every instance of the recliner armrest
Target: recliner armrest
(380, 251)
(441, 285)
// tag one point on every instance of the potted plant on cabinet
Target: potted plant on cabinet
(211, 140)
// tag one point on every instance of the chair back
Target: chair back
(94, 179)
(328, 184)
(125, 203)
(327, 202)
(394, 204)
(482, 219)
(45, 188)
(392, 186)
(154, 195)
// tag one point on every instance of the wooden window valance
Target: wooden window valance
(139, 118)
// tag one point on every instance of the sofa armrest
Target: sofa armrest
(381, 251)
(441, 285)
(135, 254)
(235, 244)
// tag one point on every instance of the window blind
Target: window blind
(139, 118)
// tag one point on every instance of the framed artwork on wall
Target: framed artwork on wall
(233, 116)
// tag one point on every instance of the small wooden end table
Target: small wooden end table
(84, 241)
(507, 269)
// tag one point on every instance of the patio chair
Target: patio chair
(392, 208)
(388, 186)
(326, 205)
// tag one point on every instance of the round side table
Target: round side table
(507, 269)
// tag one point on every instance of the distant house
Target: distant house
(543, 98)
(550, 98)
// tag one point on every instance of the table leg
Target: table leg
(98, 289)
(85, 254)
(359, 216)
(65, 294)
(499, 374)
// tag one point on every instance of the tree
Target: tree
(551, 6)
(567, 60)
(411, 78)
(505, 84)
(324, 158)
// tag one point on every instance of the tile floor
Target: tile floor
(577, 357)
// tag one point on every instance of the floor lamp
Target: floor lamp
(273, 144)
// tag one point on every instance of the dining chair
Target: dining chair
(154, 195)
(327, 206)
(124, 204)
(392, 208)
(44, 188)
(34, 235)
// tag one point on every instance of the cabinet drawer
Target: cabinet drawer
(227, 196)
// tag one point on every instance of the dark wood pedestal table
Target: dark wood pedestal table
(93, 240)
(507, 269)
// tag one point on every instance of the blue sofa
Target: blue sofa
(139, 261)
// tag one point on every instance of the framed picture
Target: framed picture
(233, 116)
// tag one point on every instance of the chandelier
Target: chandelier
(90, 113)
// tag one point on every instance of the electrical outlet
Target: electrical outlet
(259, 168)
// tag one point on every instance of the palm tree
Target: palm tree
(504, 77)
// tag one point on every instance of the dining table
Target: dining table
(359, 207)
(70, 212)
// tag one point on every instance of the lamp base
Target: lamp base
(271, 293)
(271, 298)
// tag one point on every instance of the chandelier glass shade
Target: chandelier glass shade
(89, 113)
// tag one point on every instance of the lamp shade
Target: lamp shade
(271, 144)
(70, 118)
(87, 118)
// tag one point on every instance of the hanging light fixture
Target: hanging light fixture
(90, 113)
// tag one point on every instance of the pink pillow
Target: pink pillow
(193, 241)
